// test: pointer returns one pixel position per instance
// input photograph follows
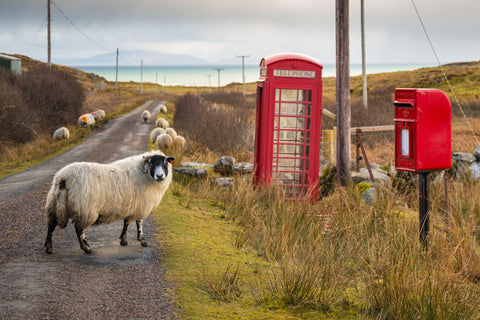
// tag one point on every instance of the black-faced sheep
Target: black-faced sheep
(146, 115)
(86, 120)
(93, 193)
(61, 133)
(164, 141)
(162, 123)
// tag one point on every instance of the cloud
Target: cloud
(223, 28)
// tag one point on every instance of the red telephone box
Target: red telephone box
(422, 130)
(288, 123)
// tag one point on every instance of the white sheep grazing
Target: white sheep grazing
(92, 193)
(146, 115)
(155, 133)
(99, 115)
(61, 133)
(171, 132)
(163, 109)
(164, 141)
(162, 123)
(86, 120)
(179, 141)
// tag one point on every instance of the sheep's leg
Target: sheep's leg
(52, 224)
(140, 235)
(123, 236)
(82, 239)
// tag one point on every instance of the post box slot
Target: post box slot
(403, 104)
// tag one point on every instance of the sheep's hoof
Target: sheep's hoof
(88, 249)
(48, 248)
(144, 243)
(124, 242)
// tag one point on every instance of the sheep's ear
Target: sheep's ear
(170, 159)
(146, 164)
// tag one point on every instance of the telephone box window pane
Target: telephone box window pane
(309, 95)
(277, 94)
(293, 95)
(292, 109)
(290, 123)
(405, 142)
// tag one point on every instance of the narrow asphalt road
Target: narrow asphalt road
(113, 283)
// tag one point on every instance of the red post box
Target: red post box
(422, 130)
(288, 123)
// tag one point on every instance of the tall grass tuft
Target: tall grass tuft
(224, 287)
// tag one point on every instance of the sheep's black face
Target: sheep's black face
(159, 167)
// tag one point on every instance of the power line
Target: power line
(444, 73)
(36, 36)
(79, 30)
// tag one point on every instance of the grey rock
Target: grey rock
(363, 175)
(224, 165)
(192, 172)
(475, 170)
(225, 182)
(196, 164)
(476, 153)
(243, 167)
(463, 156)
(461, 168)
(368, 196)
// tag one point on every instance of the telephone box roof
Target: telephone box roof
(290, 56)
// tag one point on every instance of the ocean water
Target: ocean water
(205, 75)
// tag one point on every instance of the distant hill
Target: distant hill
(133, 57)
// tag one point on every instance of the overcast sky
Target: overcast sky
(217, 29)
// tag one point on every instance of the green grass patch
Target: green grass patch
(199, 247)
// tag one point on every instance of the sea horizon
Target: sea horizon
(202, 75)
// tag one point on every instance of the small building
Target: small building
(11, 63)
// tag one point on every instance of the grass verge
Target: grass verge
(198, 245)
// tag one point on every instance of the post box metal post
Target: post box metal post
(422, 140)
(288, 124)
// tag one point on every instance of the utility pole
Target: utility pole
(343, 92)
(364, 71)
(209, 82)
(218, 69)
(48, 36)
(141, 77)
(116, 74)
(243, 71)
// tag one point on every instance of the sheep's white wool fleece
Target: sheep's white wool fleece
(104, 193)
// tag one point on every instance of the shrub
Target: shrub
(224, 128)
(36, 103)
